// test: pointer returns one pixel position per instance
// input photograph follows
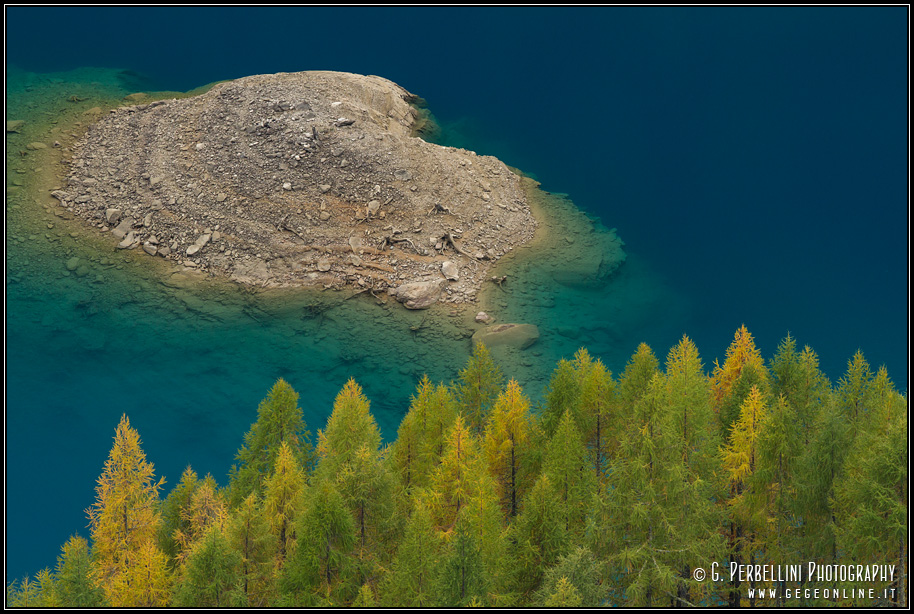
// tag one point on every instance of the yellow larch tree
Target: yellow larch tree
(124, 521)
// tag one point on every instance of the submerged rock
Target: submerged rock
(519, 336)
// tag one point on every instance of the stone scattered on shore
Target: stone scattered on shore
(289, 167)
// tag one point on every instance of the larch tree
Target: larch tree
(635, 380)
(774, 482)
(478, 387)
(350, 456)
(282, 491)
(124, 522)
(818, 469)
(320, 570)
(691, 431)
(462, 578)
(538, 536)
(597, 420)
(731, 382)
(871, 496)
(279, 419)
(413, 573)
(564, 596)
(657, 514)
(461, 476)
(579, 570)
(796, 375)
(205, 508)
(854, 391)
(173, 523)
(507, 444)
(562, 396)
(740, 460)
(74, 582)
(211, 576)
(568, 467)
(248, 534)
(144, 582)
(350, 428)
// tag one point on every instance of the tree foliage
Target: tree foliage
(610, 492)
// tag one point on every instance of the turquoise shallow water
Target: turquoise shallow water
(189, 359)
(754, 162)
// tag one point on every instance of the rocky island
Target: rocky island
(300, 179)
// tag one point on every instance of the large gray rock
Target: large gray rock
(123, 228)
(418, 295)
(520, 336)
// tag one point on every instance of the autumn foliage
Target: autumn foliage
(612, 491)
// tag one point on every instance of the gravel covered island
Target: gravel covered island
(300, 179)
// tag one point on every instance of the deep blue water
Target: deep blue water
(755, 158)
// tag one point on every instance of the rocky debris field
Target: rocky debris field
(300, 179)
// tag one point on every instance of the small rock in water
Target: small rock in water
(483, 317)
(14, 125)
(72, 263)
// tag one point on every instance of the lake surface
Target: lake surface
(754, 160)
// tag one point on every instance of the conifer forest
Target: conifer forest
(743, 483)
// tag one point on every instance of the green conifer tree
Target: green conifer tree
(634, 381)
(320, 569)
(462, 577)
(538, 536)
(413, 573)
(173, 523)
(279, 419)
(871, 495)
(567, 465)
(478, 388)
(597, 421)
(248, 534)
(580, 571)
(211, 576)
(74, 583)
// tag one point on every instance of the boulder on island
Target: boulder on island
(418, 295)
